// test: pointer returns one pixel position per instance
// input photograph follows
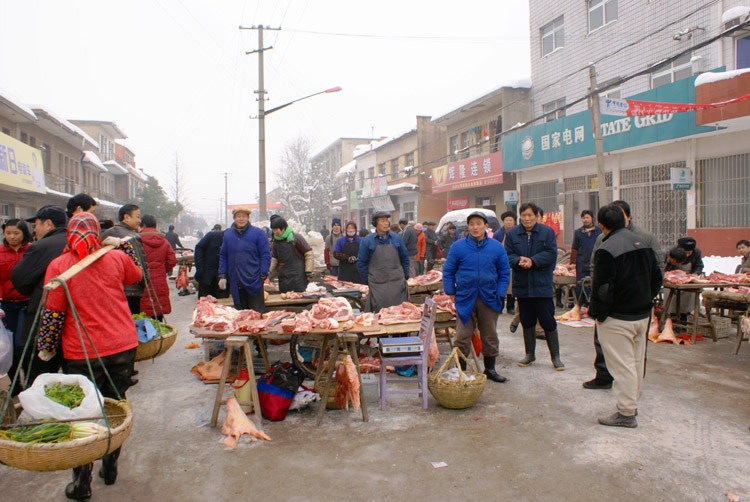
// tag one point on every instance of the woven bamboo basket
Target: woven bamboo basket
(60, 456)
(456, 394)
(157, 346)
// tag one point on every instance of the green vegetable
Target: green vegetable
(66, 395)
(52, 432)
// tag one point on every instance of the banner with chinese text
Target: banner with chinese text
(470, 173)
(21, 165)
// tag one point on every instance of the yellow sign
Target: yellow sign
(21, 165)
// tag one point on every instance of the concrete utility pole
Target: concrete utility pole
(261, 92)
(594, 106)
(226, 218)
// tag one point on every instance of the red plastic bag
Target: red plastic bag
(182, 277)
(476, 341)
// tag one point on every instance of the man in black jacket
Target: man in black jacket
(207, 264)
(626, 280)
(28, 279)
(694, 258)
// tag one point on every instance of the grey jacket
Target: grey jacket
(120, 230)
(649, 238)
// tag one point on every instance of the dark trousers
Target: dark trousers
(134, 304)
(118, 366)
(247, 301)
(532, 310)
(602, 373)
(509, 303)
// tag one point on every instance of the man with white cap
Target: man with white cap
(244, 260)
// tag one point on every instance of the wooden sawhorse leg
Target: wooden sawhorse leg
(245, 353)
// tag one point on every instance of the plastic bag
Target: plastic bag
(6, 349)
(39, 407)
(146, 330)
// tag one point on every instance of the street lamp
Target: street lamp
(262, 142)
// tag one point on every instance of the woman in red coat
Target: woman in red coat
(161, 260)
(16, 238)
(98, 296)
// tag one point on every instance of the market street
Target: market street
(532, 438)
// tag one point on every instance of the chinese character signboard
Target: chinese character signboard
(458, 203)
(572, 136)
(470, 173)
(20, 165)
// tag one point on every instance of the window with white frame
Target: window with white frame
(601, 12)
(409, 162)
(723, 186)
(553, 36)
(679, 69)
(551, 112)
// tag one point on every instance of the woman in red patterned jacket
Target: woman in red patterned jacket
(98, 296)
(16, 238)
(161, 260)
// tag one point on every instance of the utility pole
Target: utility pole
(226, 220)
(594, 106)
(261, 92)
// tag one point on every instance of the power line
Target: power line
(413, 37)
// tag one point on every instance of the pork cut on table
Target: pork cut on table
(255, 326)
(247, 315)
(212, 316)
(431, 277)
(288, 325)
(565, 270)
(291, 295)
(334, 308)
(236, 424)
(444, 302)
(276, 314)
(405, 313)
(333, 281)
(366, 319)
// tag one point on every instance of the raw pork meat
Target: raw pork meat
(236, 424)
(444, 302)
(210, 370)
(565, 270)
(405, 313)
(348, 388)
(431, 277)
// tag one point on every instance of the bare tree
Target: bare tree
(306, 193)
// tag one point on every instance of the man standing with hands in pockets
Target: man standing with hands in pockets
(476, 276)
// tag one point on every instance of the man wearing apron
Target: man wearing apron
(383, 264)
(293, 256)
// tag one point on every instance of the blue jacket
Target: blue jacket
(540, 245)
(244, 258)
(367, 248)
(476, 267)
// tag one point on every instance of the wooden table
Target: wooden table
(731, 301)
(697, 288)
(418, 293)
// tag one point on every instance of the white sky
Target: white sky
(174, 75)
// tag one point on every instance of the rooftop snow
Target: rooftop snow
(347, 169)
(106, 203)
(13, 100)
(65, 124)
(61, 194)
(394, 138)
(401, 185)
(711, 77)
(93, 158)
(513, 84)
(115, 167)
(739, 11)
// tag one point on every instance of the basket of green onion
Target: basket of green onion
(54, 445)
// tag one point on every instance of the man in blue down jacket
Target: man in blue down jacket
(476, 276)
(245, 258)
(532, 254)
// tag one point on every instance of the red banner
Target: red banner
(458, 203)
(553, 220)
(470, 173)
(633, 108)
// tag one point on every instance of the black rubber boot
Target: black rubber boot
(489, 370)
(554, 349)
(529, 342)
(514, 323)
(80, 488)
(109, 467)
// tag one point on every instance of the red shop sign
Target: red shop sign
(469, 173)
(458, 203)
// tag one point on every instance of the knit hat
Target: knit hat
(336, 221)
(418, 227)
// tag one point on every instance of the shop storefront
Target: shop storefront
(21, 178)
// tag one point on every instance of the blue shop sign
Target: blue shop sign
(572, 136)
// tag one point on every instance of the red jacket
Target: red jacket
(421, 246)
(8, 260)
(99, 300)
(160, 257)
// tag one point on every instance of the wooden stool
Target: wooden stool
(245, 352)
(341, 342)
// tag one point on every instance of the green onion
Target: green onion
(52, 432)
(67, 395)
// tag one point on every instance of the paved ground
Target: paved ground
(533, 438)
